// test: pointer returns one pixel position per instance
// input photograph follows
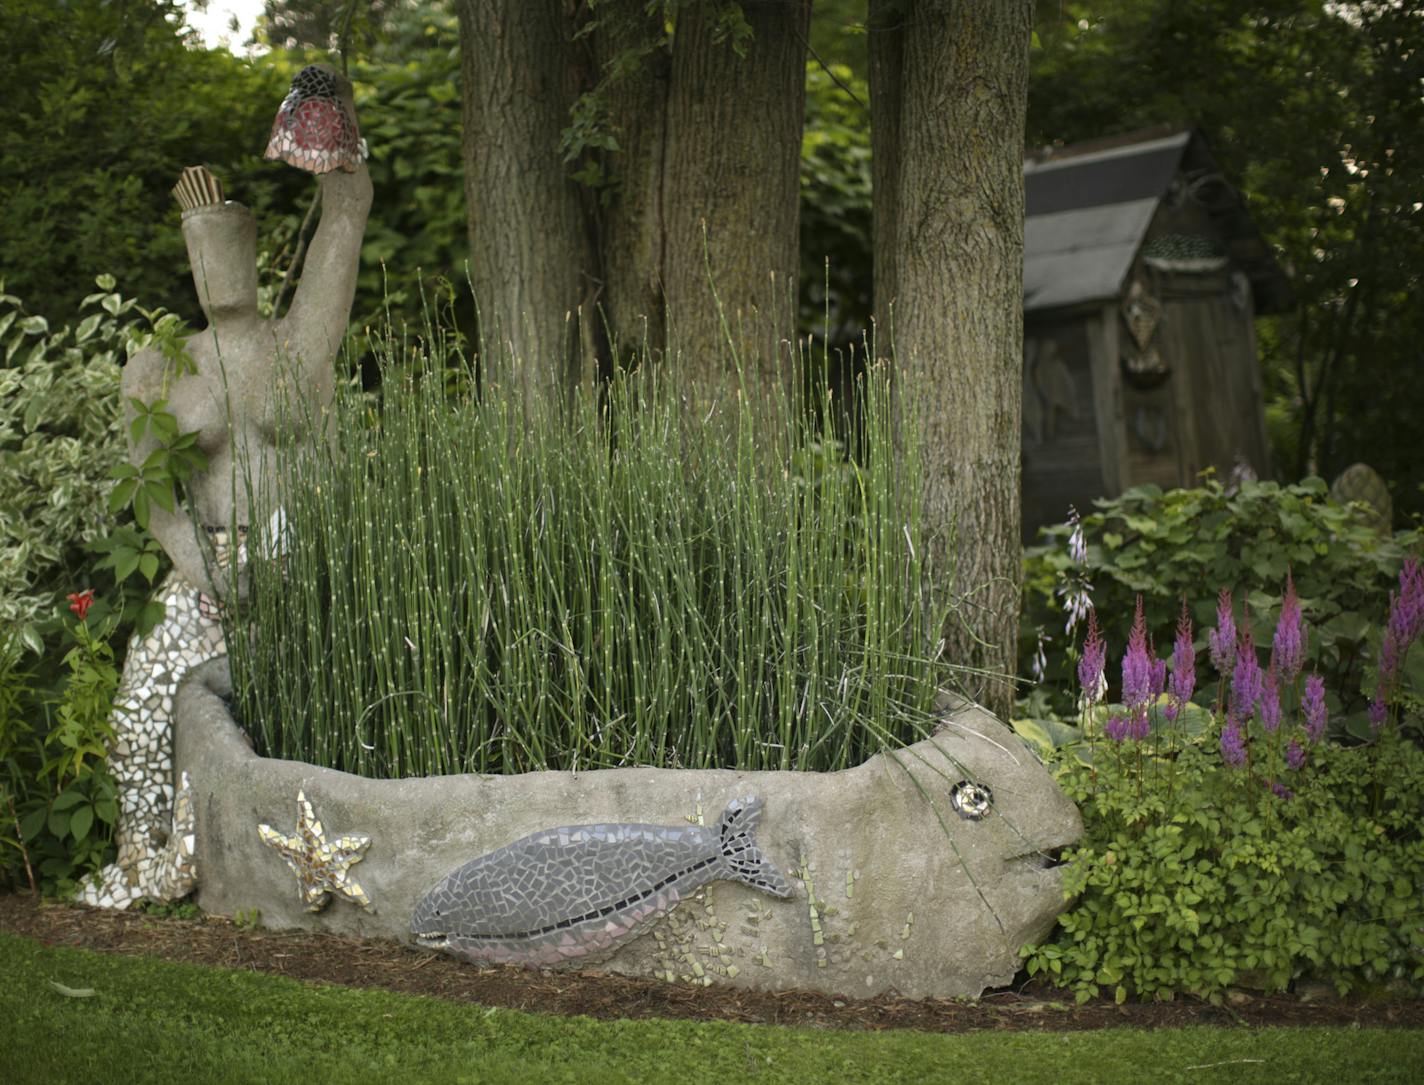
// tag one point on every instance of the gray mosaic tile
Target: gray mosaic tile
(567, 892)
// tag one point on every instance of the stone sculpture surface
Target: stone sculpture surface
(922, 871)
(249, 376)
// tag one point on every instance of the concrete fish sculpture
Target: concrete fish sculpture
(563, 893)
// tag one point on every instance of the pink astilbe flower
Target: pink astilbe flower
(1295, 756)
(1116, 728)
(1222, 639)
(1090, 667)
(1137, 663)
(1312, 707)
(1233, 743)
(1245, 679)
(1269, 705)
(1288, 644)
(1281, 791)
(1184, 666)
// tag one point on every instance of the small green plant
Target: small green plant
(65, 804)
(187, 908)
(247, 919)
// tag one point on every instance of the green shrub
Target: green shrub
(58, 804)
(1189, 543)
(467, 589)
(1238, 845)
(1199, 882)
(60, 437)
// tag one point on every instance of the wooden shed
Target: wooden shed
(1143, 273)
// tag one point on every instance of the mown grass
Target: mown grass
(469, 586)
(156, 1022)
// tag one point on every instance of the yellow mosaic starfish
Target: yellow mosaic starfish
(322, 866)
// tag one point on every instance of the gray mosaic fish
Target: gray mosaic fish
(563, 893)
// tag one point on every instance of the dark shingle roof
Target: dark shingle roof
(1089, 206)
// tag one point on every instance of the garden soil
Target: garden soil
(351, 962)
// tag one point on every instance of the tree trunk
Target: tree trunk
(631, 223)
(527, 245)
(730, 198)
(949, 232)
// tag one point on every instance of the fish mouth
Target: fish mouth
(432, 939)
(1037, 860)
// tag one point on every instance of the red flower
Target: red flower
(81, 601)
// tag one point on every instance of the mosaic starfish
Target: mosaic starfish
(322, 866)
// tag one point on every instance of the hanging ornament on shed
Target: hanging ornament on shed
(315, 129)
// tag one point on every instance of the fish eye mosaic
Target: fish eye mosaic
(567, 892)
(971, 801)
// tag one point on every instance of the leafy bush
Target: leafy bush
(1206, 885)
(1188, 543)
(105, 104)
(466, 588)
(836, 287)
(58, 804)
(1237, 846)
(60, 436)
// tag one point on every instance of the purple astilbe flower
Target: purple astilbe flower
(1405, 622)
(1137, 663)
(1184, 666)
(1312, 707)
(1157, 685)
(1280, 791)
(1245, 678)
(1233, 743)
(1222, 639)
(1139, 726)
(1269, 705)
(1116, 728)
(1295, 756)
(1288, 644)
(1379, 711)
(1090, 667)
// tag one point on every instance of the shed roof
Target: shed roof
(1088, 207)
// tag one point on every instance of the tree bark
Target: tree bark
(527, 243)
(949, 238)
(730, 199)
(630, 227)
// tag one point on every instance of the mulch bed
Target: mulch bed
(351, 962)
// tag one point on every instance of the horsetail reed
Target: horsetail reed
(465, 588)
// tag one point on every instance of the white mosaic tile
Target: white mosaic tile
(155, 833)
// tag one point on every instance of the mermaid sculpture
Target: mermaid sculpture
(247, 371)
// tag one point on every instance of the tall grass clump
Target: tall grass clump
(465, 586)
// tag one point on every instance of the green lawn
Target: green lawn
(153, 1021)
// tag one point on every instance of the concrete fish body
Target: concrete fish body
(563, 893)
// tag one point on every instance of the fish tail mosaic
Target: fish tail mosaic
(155, 832)
(564, 893)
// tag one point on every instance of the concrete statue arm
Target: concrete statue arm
(321, 308)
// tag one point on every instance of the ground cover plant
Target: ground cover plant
(1228, 840)
(466, 587)
(69, 1014)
